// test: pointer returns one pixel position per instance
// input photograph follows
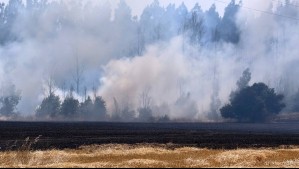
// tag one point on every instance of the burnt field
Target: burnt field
(203, 135)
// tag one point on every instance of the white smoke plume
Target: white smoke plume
(169, 72)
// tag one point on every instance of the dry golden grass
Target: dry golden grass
(126, 156)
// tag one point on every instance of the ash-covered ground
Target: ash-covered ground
(204, 135)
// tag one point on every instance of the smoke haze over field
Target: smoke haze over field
(184, 60)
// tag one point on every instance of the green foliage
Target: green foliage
(9, 105)
(93, 110)
(257, 103)
(70, 107)
(86, 107)
(9, 100)
(50, 107)
(100, 107)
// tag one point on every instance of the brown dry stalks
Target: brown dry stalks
(151, 156)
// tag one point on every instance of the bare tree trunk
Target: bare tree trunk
(94, 90)
(85, 94)
(146, 99)
(63, 87)
(78, 75)
(51, 86)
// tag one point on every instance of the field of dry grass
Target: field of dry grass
(151, 156)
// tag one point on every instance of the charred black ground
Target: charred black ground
(215, 136)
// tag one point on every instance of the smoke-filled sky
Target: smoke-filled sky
(185, 77)
(138, 5)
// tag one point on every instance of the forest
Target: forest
(80, 61)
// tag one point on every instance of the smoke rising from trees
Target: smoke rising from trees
(168, 63)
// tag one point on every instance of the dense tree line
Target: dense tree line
(93, 109)
(156, 23)
(256, 103)
(52, 108)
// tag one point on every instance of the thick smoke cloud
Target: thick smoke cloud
(124, 56)
(169, 73)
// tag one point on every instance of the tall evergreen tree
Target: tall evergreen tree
(9, 101)
(49, 108)
(100, 109)
(228, 29)
(70, 106)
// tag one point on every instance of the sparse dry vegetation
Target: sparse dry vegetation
(151, 156)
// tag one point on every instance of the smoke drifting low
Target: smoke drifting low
(186, 63)
(169, 74)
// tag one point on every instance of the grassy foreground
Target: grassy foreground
(151, 156)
